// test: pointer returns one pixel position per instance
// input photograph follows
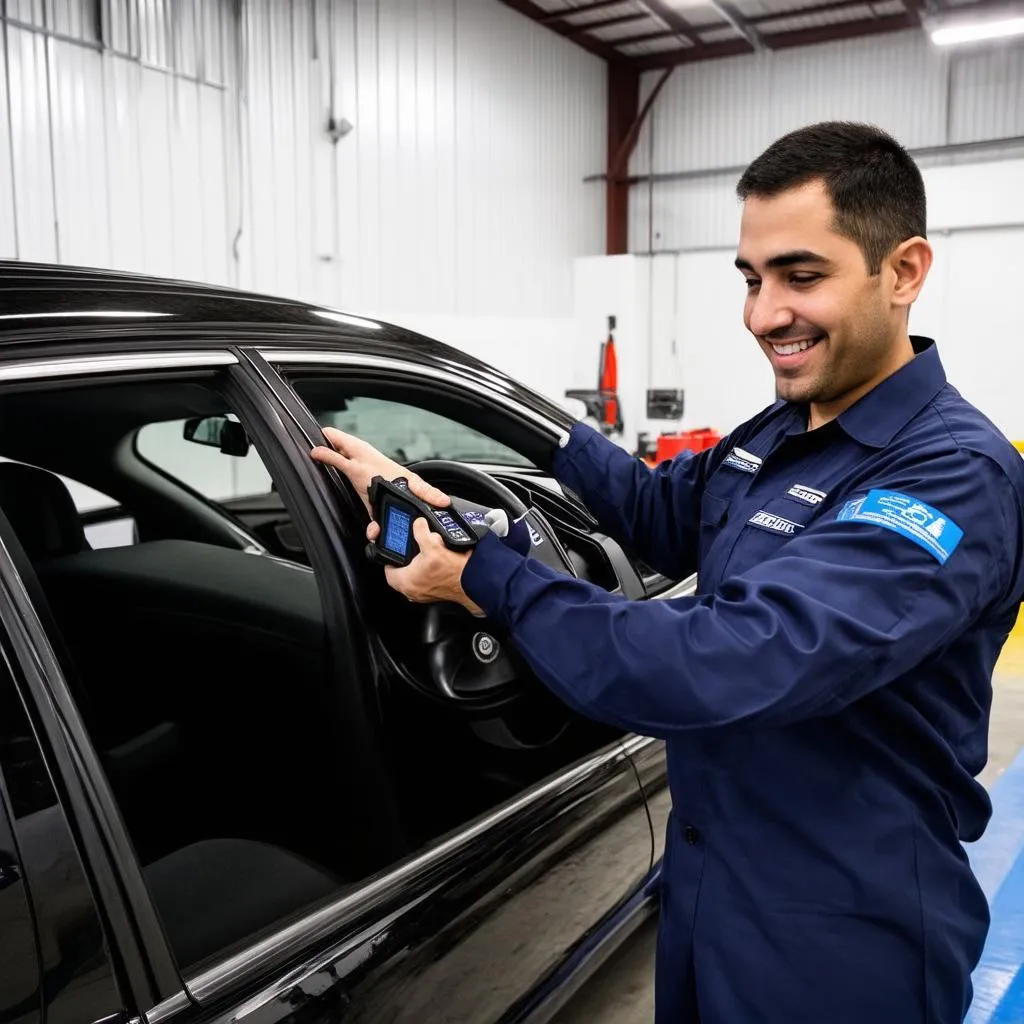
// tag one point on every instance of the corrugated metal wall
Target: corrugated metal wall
(722, 114)
(459, 189)
(188, 138)
(105, 108)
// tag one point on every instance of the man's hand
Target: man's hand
(435, 574)
(361, 462)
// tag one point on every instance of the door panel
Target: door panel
(471, 930)
(468, 928)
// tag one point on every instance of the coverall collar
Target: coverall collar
(884, 411)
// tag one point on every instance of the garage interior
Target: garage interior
(525, 180)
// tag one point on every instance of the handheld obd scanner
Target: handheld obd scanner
(396, 508)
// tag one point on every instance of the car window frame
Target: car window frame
(470, 388)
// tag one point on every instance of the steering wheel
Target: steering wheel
(470, 660)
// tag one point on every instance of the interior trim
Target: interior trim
(78, 366)
(364, 361)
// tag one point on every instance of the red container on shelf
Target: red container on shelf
(670, 445)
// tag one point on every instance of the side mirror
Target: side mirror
(217, 432)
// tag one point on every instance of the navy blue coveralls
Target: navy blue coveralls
(824, 697)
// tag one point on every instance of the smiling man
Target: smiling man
(825, 695)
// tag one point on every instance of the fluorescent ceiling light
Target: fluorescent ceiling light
(973, 31)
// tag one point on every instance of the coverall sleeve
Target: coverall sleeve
(654, 513)
(841, 609)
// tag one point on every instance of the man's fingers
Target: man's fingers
(428, 493)
(373, 530)
(321, 453)
(422, 533)
(394, 578)
(341, 442)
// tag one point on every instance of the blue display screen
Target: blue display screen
(397, 527)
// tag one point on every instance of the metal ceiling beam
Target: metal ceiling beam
(826, 8)
(648, 37)
(757, 20)
(680, 27)
(619, 161)
(723, 8)
(595, 46)
(784, 40)
(692, 54)
(570, 12)
(844, 30)
(622, 19)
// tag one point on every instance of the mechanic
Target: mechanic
(825, 695)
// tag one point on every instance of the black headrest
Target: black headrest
(41, 511)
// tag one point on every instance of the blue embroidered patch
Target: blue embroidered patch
(905, 515)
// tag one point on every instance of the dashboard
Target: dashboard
(594, 555)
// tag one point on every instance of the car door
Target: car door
(501, 917)
(496, 918)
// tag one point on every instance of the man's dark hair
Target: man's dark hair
(875, 187)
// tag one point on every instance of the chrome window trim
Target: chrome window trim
(365, 361)
(165, 1010)
(226, 974)
(79, 366)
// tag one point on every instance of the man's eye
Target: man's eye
(805, 278)
(752, 282)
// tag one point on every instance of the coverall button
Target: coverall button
(690, 834)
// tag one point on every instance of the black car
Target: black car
(240, 778)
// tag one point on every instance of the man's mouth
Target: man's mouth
(792, 348)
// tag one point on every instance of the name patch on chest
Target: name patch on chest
(773, 523)
(808, 495)
(743, 461)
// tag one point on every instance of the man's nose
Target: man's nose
(768, 310)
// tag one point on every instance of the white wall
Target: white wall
(681, 313)
(459, 192)
(184, 141)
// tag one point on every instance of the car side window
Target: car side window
(102, 518)
(199, 662)
(203, 468)
(408, 433)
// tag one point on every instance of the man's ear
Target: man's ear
(908, 265)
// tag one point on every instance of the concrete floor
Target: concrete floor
(623, 992)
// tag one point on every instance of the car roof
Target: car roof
(44, 301)
(53, 309)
